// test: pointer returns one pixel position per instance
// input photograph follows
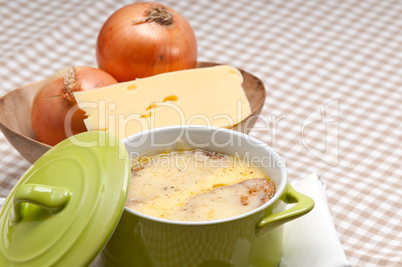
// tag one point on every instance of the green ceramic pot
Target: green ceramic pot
(252, 239)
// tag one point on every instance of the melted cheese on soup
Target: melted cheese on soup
(197, 185)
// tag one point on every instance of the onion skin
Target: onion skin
(55, 114)
(128, 47)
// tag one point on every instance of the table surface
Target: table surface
(333, 77)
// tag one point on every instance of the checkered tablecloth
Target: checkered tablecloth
(333, 75)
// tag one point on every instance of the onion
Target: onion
(145, 39)
(55, 114)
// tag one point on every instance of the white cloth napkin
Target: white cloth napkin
(312, 240)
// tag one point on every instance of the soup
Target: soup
(197, 185)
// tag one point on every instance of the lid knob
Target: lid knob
(51, 198)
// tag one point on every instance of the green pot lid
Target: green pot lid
(65, 207)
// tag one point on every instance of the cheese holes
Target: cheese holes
(234, 72)
(146, 115)
(153, 105)
(171, 98)
(132, 87)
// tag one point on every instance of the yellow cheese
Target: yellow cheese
(210, 96)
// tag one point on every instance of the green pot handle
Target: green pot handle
(304, 205)
(51, 198)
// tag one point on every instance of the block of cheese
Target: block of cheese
(211, 96)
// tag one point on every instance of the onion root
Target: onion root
(158, 14)
(71, 85)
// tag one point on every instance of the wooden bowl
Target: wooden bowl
(15, 114)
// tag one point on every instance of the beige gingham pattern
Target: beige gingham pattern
(333, 74)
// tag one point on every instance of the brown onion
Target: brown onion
(55, 114)
(145, 39)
